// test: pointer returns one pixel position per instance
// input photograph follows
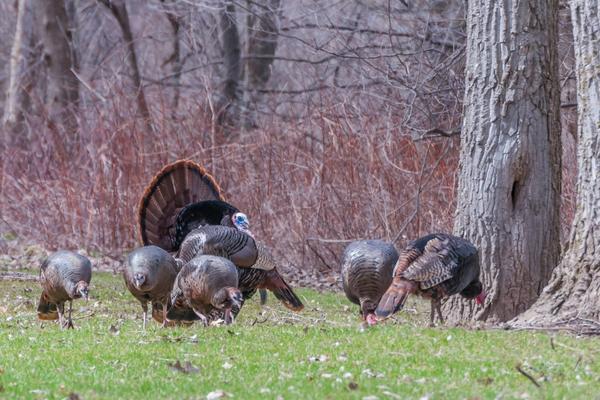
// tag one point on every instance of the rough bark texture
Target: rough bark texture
(573, 296)
(62, 93)
(17, 101)
(263, 30)
(119, 11)
(229, 107)
(509, 185)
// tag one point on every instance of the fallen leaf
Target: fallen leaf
(114, 330)
(73, 396)
(227, 365)
(217, 394)
(352, 385)
(186, 368)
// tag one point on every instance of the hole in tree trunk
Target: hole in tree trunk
(514, 193)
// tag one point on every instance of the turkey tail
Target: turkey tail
(46, 311)
(282, 291)
(177, 185)
(395, 297)
(263, 296)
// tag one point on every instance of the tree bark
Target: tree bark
(572, 298)
(17, 103)
(62, 94)
(509, 184)
(229, 107)
(263, 31)
(119, 11)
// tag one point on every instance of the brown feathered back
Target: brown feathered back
(176, 186)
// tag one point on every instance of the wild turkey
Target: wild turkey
(204, 284)
(149, 276)
(257, 268)
(435, 266)
(64, 276)
(367, 268)
(183, 197)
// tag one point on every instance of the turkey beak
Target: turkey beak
(84, 293)
(139, 280)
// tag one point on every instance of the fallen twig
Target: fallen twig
(17, 276)
(525, 374)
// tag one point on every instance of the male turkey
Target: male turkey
(149, 275)
(64, 276)
(367, 267)
(183, 197)
(204, 284)
(435, 266)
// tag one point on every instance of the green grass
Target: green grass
(319, 353)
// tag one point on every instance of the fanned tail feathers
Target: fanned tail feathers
(177, 185)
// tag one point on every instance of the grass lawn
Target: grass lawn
(318, 354)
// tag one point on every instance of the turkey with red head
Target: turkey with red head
(182, 199)
(435, 266)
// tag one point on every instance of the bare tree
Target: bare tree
(62, 94)
(17, 100)
(572, 298)
(263, 32)
(229, 107)
(509, 184)
(119, 11)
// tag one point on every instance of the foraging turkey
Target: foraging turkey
(149, 275)
(257, 268)
(183, 197)
(435, 266)
(205, 283)
(367, 267)
(64, 276)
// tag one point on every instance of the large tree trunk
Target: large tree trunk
(17, 103)
(573, 296)
(509, 184)
(263, 31)
(62, 94)
(229, 106)
(119, 11)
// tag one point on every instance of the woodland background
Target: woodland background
(325, 121)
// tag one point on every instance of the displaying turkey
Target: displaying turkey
(435, 266)
(183, 197)
(149, 275)
(367, 267)
(204, 284)
(64, 276)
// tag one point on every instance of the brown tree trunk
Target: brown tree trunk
(229, 106)
(263, 31)
(119, 11)
(572, 298)
(62, 94)
(17, 103)
(509, 184)
(175, 58)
